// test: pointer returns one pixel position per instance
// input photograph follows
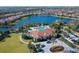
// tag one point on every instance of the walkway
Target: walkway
(20, 34)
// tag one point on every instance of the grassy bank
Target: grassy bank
(66, 17)
(19, 20)
(13, 44)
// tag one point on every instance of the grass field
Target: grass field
(13, 44)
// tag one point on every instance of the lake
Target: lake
(41, 20)
(38, 20)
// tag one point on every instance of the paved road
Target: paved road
(48, 46)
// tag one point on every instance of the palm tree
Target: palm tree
(30, 46)
(77, 42)
(53, 39)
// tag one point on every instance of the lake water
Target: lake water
(41, 20)
(38, 19)
(2, 29)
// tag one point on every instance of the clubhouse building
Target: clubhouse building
(41, 32)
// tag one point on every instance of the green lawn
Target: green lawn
(68, 43)
(13, 44)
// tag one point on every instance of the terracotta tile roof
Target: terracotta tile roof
(39, 33)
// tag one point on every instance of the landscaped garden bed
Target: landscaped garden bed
(56, 48)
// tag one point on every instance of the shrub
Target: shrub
(32, 47)
(26, 37)
(77, 42)
(56, 48)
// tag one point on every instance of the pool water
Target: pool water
(40, 28)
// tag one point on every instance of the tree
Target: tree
(31, 47)
(77, 42)
(53, 40)
(31, 24)
(24, 36)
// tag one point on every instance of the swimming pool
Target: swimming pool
(40, 28)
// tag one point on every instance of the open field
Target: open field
(13, 44)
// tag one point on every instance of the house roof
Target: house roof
(38, 33)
